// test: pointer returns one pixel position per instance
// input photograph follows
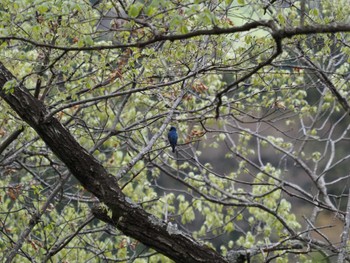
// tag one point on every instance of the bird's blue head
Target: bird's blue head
(172, 128)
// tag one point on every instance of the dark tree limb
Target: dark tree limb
(128, 217)
(10, 139)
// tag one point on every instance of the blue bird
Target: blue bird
(172, 137)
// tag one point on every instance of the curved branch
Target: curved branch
(268, 24)
(278, 39)
(155, 39)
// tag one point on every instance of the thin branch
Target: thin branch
(328, 83)
(34, 220)
(65, 240)
(345, 235)
(278, 39)
(151, 142)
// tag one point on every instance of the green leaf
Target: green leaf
(135, 10)
(9, 86)
(313, 12)
(150, 11)
(80, 43)
(229, 227)
(88, 40)
(42, 8)
(184, 29)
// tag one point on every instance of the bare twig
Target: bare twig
(345, 235)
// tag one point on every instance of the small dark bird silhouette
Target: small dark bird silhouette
(172, 137)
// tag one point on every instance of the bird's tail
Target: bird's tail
(173, 148)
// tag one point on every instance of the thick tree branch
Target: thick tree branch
(10, 139)
(128, 217)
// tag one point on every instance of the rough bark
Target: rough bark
(10, 139)
(128, 217)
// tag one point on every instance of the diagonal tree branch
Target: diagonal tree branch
(10, 139)
(128, 217)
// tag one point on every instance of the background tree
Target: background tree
(256, 89)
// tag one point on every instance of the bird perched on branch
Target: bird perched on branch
(172, 137)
